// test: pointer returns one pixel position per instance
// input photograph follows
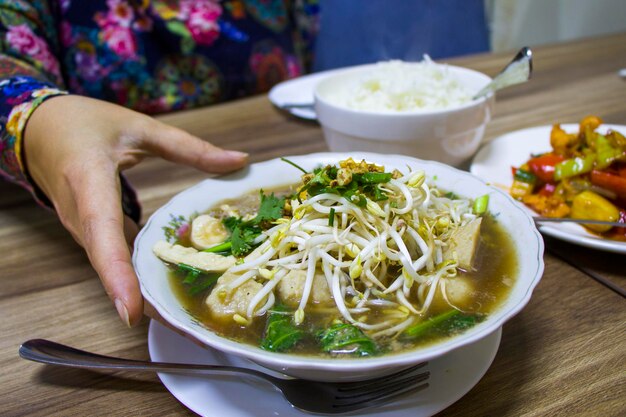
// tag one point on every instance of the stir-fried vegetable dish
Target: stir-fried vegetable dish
(353, 261)
(582, 177)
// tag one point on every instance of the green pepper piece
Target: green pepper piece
(525, 176)
(606, 153)
(480, 204)
(574, 166)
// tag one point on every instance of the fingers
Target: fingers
(179, 146)
(101, 223)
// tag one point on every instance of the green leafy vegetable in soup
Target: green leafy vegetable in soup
(450, 322)
(281, 333)
(352, 261)
(343, 338)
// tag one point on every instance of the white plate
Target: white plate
(298, 91)
(493, 164)
(452, 376)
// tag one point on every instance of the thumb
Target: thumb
(178, 146)
(105, 234)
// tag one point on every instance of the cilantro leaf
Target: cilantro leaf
(243, 232)
(271, 208)
(231, 222)
(242, 239)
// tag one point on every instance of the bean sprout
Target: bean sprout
(373, 254)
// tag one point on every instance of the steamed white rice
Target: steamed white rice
(399, 86)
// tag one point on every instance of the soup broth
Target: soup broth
(485, 286)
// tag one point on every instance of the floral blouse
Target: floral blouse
(149, 55)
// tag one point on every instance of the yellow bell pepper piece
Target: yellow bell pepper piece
(589, 205)
(519, 189)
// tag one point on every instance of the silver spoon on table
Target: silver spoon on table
(310, 396)
(516, 72)
(540, 219)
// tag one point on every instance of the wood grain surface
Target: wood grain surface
(563, 355)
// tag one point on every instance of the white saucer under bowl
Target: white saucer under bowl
(452, 376)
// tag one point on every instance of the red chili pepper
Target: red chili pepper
(612, 182)
(543, 166)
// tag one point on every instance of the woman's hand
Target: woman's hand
(75, 148)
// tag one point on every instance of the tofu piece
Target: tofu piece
(291, 287)
(205, 261)
(459, 290)
(224, 302)
(464, 243)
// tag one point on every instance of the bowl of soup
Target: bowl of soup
(421, 109)
(336, 266)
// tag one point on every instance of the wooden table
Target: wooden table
(562, 355)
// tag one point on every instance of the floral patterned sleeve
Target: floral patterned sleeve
(152, 56)
(29, 75)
